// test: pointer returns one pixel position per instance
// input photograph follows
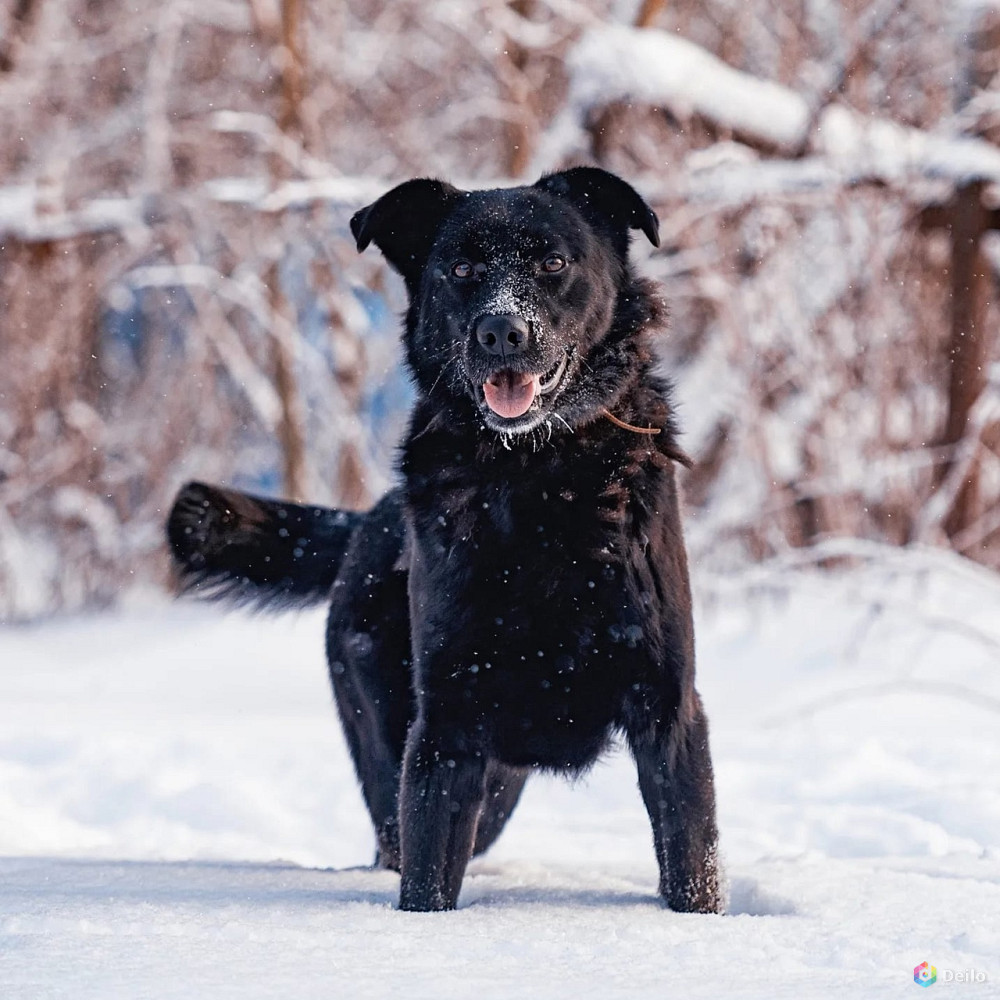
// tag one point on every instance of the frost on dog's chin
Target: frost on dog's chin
(509, 433)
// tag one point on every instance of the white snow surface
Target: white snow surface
(179, 817)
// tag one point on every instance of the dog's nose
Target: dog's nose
(503, 335)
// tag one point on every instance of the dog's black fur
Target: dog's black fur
(523, 596)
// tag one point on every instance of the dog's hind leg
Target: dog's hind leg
(503, 789)
(675, 778)
(375, 737)
(368, 649)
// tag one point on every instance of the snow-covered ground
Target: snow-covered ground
(178, 816)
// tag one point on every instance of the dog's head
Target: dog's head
(516, 294)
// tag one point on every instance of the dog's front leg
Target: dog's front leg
(675, 778)
(441, 798)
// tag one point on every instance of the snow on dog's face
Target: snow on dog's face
(511, 289)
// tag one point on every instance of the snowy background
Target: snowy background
(180, 298)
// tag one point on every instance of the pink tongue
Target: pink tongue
(510, 395)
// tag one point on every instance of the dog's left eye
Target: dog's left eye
(461, 269)
(554, 262)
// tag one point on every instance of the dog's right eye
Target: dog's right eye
(461, 269)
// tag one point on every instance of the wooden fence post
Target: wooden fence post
(967, 218)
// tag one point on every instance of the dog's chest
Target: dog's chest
(524, 529)
(522, 601)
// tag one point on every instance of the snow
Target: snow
(25, 215)
(180, 818)
(616, 63)
(871, 147)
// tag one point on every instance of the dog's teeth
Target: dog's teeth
(548, 386)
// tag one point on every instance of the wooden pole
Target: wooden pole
(292, 429)
(515, 89)
(290, 120)
(649, 11)
(968, 353)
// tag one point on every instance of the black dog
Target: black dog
(524, 594)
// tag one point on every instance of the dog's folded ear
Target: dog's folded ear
(404, 222)
(605, 198)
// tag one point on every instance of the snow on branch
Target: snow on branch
(641, 65)
(23, 215)
(646, 66)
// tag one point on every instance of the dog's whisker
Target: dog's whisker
(558, 416)
(444, 368)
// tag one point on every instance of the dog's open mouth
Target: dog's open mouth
(510, 394)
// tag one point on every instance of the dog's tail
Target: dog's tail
(245, 550)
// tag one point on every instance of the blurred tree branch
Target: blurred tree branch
(179, 295)
(649, 12)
